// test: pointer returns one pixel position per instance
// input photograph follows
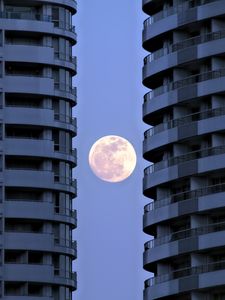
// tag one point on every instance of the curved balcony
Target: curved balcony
(67, 61)
(185, 234)
(189, 195)
(66, 246)
(210, 198)
(39, 84)
(64, 277)
(39, 210)
(198, 167)
(43, 241)
(184, 158)
(156, 105)
(29, 272)
(65, 183)
(211, 267)
(39, 241)
(21, 146)
(39, 117)
(192, 240)
(196, 277)
(30, 16)
(43, 54)
(187, 82)
(66, 155)
(184, 44)
(29, 84)
(63, 90)
(45, 179)
(175, 9)
(65, 215)
(69, 122)
(154, 70)
(155, 143)
(29, 53)
(44, 273)
(206, 114)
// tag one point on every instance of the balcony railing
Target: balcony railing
(189, 195)
(66, 57)
(11, 136)
(63, 179)
(184, 158)
(66, 119)
(63, 149)
(39, 75)
(64, 273)
(187, 272)
(66, 88)
(211, 113)
(25, 16)
(181, 7)
(194, 79)
(184, 234)
(67, 243)
(37, 17)
(66, 212)
(208, 37)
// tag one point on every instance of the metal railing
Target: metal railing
(184, 234)
(27, 42)
(181, 7)
(194, 79)
(28, 75)
(27, 168)
(65, 274)
(206, 114)
(35, 138)
(65, 119)
(63, 25)
(67, 243)
(37, 17)
(28, 105)
(25, 16)
(63, 149)
(208, 37)
(66, 212)
(66, 57)
(186, 272)
(184, 158)
(188, 195)
(66, 88)
(23, 199)
(63, 180)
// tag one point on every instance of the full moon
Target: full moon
(112, 158)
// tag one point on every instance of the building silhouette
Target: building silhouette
(37, 158)
(185, 72)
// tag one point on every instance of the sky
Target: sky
(110, 97)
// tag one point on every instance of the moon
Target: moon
(112, 158)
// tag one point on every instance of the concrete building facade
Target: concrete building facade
(185, 107)
(37, 158)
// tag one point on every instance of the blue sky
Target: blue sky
(110, 97)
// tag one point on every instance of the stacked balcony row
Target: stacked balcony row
(185, 147)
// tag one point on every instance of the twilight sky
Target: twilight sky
(110, 96)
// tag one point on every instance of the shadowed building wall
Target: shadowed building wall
(185, 107)
(36, 100)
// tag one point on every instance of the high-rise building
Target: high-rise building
(185, 72)
(37, 158)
